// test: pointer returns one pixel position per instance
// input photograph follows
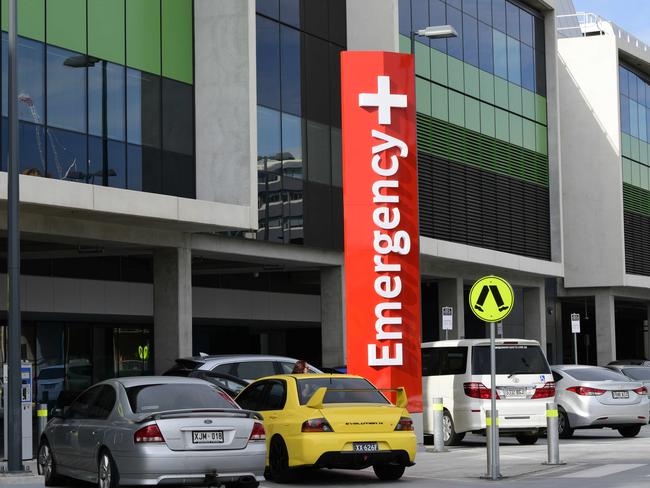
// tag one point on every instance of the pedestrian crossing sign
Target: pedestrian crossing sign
(491, 298)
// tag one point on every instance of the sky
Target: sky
(631, 15)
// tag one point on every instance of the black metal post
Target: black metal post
(104, 126)
(14, 407)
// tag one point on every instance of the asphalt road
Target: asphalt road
(594, 459)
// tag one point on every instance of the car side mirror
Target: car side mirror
(57, 413)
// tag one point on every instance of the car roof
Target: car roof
(576, 366)
(237, 357)
(308, 376)
(131, 381)
(480, 342)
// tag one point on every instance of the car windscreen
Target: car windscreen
(350, 390)
(641, 374)
(176, 396)
(595, 374)
(517, 359)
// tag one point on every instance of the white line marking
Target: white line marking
(602, 471)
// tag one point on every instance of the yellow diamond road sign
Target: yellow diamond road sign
(491, 298)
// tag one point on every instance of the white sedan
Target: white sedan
(591, 397)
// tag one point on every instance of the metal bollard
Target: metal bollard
(438, 433)
(491, 432)
(552, 435)
(41, 415)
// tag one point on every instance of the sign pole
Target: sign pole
(575, 347)
(494, 438)
(447, 320)
(575, 328)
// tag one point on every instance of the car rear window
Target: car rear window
(183, 365)
(595, 374)
(163, 397)
(340, 390)
(438, 361)
(518, 359)
(642, 374)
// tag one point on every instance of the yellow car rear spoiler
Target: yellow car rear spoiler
(316, 400)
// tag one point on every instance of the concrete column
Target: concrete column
(172, 303)
(534, 314)
(332, 306)
(451, 294)
(372, 25)
(605, 327)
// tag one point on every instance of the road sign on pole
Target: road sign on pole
(491, 299)
(447, 320)
(575, 328)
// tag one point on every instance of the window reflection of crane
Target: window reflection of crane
(52, 139)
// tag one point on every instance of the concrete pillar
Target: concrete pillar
(451, 294)
(332, 306)
(605, 327)
(172, 305)
(372, 25)
(535, 314)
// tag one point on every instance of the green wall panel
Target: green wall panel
(31, 18)
(540, 109)
(455, 72)
(635, 149)
(487, 119)
(456, 108)
(439, 102)
(502, 129)
(438, 67)
(541, 140)
(487, 86)
(177, 51)
(627, 171)
(471, 81)
(643, 153)
(143, 35)
(422, 60)
(66, 24)
(625, 145)
(423, 96)
(516, 130)
(528, 104)
(472, 114)
(500, 92)
(106, 30)
(514, 98)
(529, 134)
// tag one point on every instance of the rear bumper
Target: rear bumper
(513, 415)
(159, 465)
(307, 449)
(585, 412)
(358, 460)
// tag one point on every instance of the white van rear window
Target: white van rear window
(511, 359)
(438, 361)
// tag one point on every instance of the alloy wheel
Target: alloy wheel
(45, 461)
(105, 474)
(446, 428)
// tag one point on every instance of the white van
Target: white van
(459, 372)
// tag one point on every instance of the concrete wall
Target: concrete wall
(373, 25)
(592, 186)
(226, 103)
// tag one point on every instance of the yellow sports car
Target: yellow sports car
(331, 421)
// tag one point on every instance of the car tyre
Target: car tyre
(631, 431)
(107, 475)
(46, 465)
(279, 461)
(563, 426)
(389, 472)
(449, 434)
(527, 439)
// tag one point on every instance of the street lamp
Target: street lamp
(433, 32)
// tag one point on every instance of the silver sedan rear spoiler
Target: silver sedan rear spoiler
(200, 412)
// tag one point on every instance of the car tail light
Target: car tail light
(405, 423)
(258, 433)
(641, 391)
(316, 425)
(546, 391)
(586, 391)
(150, 433)
(478, 390)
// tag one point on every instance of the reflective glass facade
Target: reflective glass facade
(105, 93)
(299, 121)
(635, 126)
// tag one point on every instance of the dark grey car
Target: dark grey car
(154, 430)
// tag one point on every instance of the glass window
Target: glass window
(175, 396)
(438, 361)
(30, 81)
(292, 140)
(527, 67)
(405, 17)
(267, 7)
(510, 359)
(499, 15)
(252, 370)
(268, 63)
(438, 16)
(177, 117)
(66, 89)
(143, 108)
(634, 119)
(526, 27)
(32, 148)
(455, 44)
(251, 397)
(50, 368)
(470, 40)
(514, 61)
(290, 72)
(318, 153)
(103, 404)
(623, 80)
(595, 374)
(78, 358)
(539, 33)
(275, 396)
(317, 76)
(642, 123)
(420, 14)
(485, 11)
(106, 80)
(500, 55)
(540, 72)
(469, 7)
(642, 374)
(80, 407)
(556, 376)
(485, 49)
(66, 155)
(350, 390)
(290, 12)
(512, 20)
(640, 91)
(269, 139)
(632, 84)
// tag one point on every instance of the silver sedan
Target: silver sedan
(154, 430)
(591, 397)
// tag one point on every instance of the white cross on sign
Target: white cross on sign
(383, 99)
